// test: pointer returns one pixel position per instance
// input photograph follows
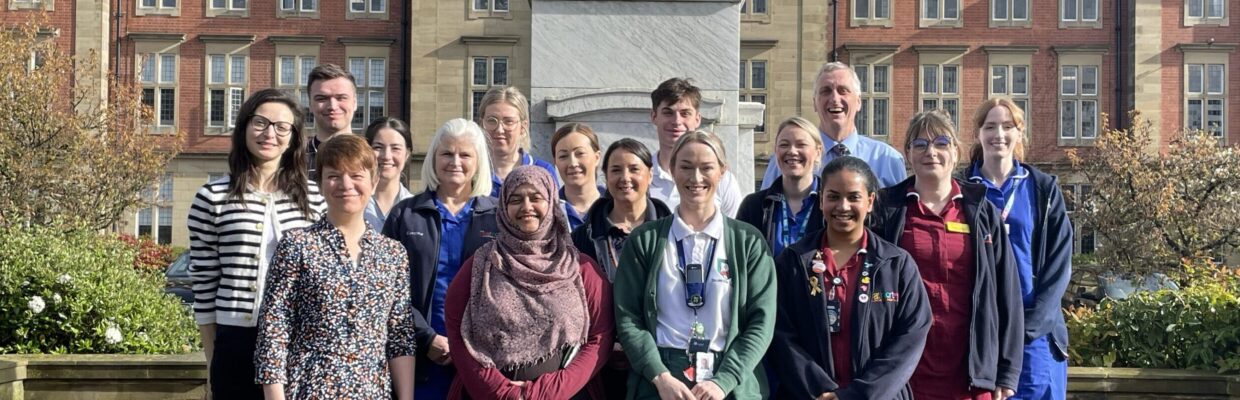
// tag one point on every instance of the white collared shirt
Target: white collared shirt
(675, 318)
(663, 187)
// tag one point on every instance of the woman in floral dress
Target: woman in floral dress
(336, 318)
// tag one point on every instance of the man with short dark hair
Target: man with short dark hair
(675, 111)
(333, 99)
(837, 100)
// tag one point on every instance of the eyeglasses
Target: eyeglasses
(491, 123)
(260, 124)
(940, 143)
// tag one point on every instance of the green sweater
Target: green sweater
(753, 303)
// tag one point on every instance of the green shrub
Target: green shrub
(1197, 327)
(80, 293)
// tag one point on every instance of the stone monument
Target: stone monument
(596, 62)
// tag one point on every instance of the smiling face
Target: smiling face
(576, 160)
(391, 151)
(697, 172)
(268, 144)
(505, 128)
(526, 208)
(836, 100)
(455, 161)
(999, 135)
(846, 202)
(932, 157)
(797, 151)
(346, 191)
(628, 178)
(333, 102)
(673, 120)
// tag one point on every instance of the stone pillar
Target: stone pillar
(596, 62)
(91, 39)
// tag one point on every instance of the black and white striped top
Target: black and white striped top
(226, 246)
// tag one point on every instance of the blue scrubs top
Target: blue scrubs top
(791, 228)
(526, 159)
(1019, 221)
(575, 219)
(452, 229)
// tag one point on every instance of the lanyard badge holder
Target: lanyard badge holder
(701, 359)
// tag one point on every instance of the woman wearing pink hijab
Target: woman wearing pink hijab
(529, 316)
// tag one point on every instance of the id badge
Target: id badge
(699, 345)
(703, 366)
(833, 315)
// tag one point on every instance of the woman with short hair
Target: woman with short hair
(440, 228)
(336, 317)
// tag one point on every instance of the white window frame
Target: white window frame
(1009, 9)
(161, 196)
(298, 8)
(47, 5)
(1204, 94)
(1072, 14)
(158, 82)
(1198, 12)
(295, 85)
(872, 93)
(1074, 96)
(234, 88)
(370, 90)
(755, 93)
(866, 13)
(475, 89)
(1083, 234)
(491, 6)
(159, 7)
(229, 5)
(938, 87)
(748, 7)
(933, 13)
(1009, 89)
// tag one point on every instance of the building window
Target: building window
(1078, 101)
(1078, 195)
(299, 5)
(157, 72)
(371, 74)
(490, 5)
(1206, 9)
(215, 176)
(1012, 81)
(159, 5)
(292, 76)
(940, 88)
(940, 9)
(871, 12)
(1009, 10)
(155, 221)
(486, 73)
(30, 5)
(227, 79)
(872, 118)
(368, 6)
(753, 87)
(1206, 101)
(1078, 10)
(230, 5)
(751, 7)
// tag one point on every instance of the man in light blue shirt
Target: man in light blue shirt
(837, 101)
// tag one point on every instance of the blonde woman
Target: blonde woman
(506, 118)
(785, 211)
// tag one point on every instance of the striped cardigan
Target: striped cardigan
(225, 237)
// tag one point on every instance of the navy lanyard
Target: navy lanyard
(684, 262)
(790, 234)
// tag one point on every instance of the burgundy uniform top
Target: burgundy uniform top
(841, 342)
(943, 250)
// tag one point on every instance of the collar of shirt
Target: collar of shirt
(714, 227)
(851, 141)
(447, 214)
(826, 249)
(1019, 173)
(954, 194)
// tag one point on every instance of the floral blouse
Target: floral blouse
(328, 327)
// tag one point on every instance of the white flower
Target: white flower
(36, 304)
(64, 279)
(112, 335)
(56, 298)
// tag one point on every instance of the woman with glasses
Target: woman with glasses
(695, 293)
(506, 119)
(786, 211)
(440, 228)
(1036, 220)
(336, 322)
(576, 157)
(234, 226)
(390, 139)
(973, 350)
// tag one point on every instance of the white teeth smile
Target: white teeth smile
(835, 110)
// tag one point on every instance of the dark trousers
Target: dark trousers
(232, 365)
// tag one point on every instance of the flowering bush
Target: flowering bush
(1197, 327)
(80, 293)
(151, 256)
